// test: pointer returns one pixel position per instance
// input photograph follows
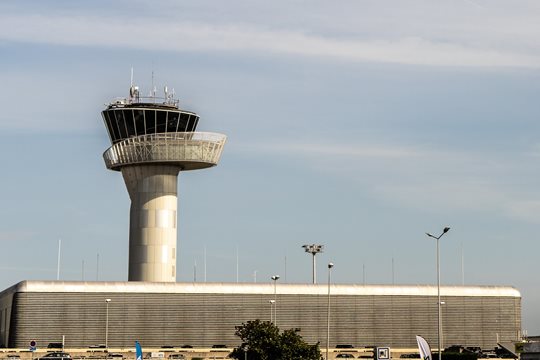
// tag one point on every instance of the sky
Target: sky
(360, 125)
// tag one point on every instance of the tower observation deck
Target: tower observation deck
(152, 141)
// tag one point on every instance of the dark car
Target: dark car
(115, 356)
(344, 356)
(55, 345)
(57, 355)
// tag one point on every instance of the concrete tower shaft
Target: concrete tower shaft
(151, 143)
(152, 228)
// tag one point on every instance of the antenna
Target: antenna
(153, 87)
(132, 76)
(58, 263)
(236, 262)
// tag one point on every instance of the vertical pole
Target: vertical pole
(285, 277)
(107, 301)
(314, 267)
(275, 303)
(438, 301)
(330, 265)
(462, 267)
(58, 261)
(393, 277)
(364, 274)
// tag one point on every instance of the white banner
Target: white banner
(423, 346)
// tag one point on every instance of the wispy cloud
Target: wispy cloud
(104, 31)
(11, 236)
(306, 149)
(462, 180)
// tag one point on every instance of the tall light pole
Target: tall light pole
(314, 249)
(445, 230)
(275, 278)
(272, 310)
(107, 301)
(330, 266)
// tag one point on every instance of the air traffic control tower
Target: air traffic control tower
(152, 141)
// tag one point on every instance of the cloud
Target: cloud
(526, 210)
(423, 177)
(16, 236)
(316, 150)
(154, 35)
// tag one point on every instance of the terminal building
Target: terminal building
(205, 314)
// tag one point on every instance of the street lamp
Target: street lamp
(271, 309)
(445, 230)
(330, 266)
(313, 249)
(275, 278)
(107, 301)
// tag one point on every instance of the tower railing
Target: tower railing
(191, 150)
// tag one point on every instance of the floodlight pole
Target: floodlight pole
(330, 266)
(439, 320)
(275, 278)
(314, 249)
(107, 301)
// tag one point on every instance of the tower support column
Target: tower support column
(152, 233)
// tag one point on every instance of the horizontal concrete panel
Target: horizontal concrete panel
(204, 319)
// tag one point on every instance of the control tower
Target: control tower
(152, 141)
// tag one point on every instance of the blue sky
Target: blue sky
(359, 126)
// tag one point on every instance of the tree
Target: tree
(262, 340)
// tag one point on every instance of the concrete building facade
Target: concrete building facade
(205, 314)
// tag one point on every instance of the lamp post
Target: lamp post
(445, 230)
(107, 301)
(275, 278)
(314, 249)
(330, 266)
(272, 309)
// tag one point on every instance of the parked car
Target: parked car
(344, 356)
(115, 356)
(57, 355)
(177, 356)
(55, 345)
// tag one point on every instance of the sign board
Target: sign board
(33, 345)
(383, 353)
(157, 355)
